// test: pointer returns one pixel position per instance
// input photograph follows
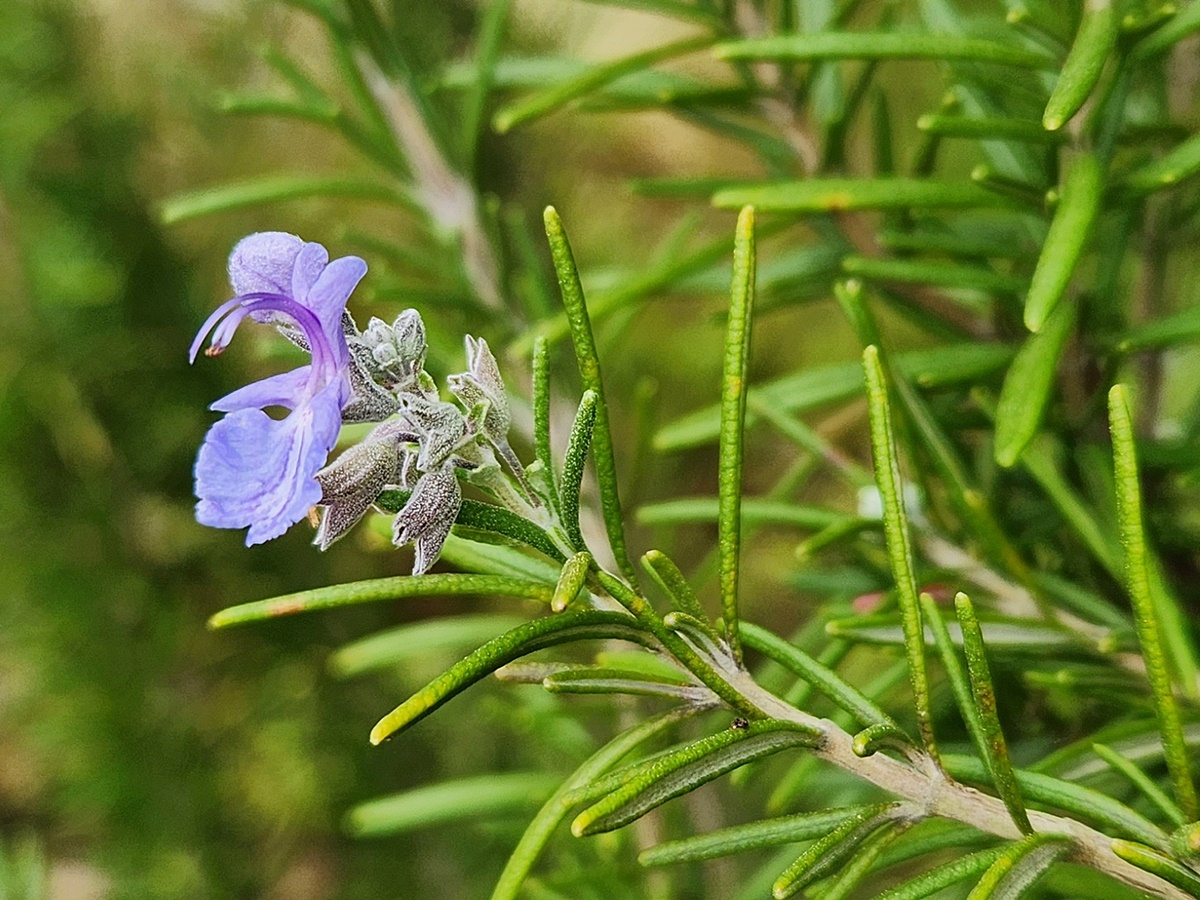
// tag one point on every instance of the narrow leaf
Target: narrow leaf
(1185, 22)
(683, 770)
(828, 852)
(895, 523)
(956, 675)
(521, 641)
(1182, 162)
(1019, 866)
(834, 194)
(589, 372)
(380, 589)
(1094, 42)
(474, 799)
(599, 680)
(731, 443)
(1157, 863)
(1078, 205)
(848, 878)
(874, 738)
(754, 511)
(548, 818)
(823, 679)
(1028, 384)
(754, 836)
(1147, 615)
(274, 189)
(942, 274)
(666, 574)
(541, 419)
(994, 746)
(570, 582)
(881, 45)
(1013, 635)
(1142, 782)
(989, 128)
(1183, 327)
(582, 431)
(590, 80)
(488, 558)
(951, 873)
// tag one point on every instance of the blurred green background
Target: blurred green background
(144, 755)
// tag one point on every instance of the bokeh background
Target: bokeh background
(142, 756)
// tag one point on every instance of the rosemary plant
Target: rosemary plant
(1023, 528)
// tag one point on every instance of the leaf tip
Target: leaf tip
(1052, 121)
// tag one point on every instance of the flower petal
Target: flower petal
(264, 262)
(329, 294)
(260, 472)
(286, 389)
(310, 263)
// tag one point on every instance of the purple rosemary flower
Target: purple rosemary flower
(255, 471)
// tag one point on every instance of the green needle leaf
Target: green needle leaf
(823, 679)
(848, 878)
(380, 589)
(1019, 866)
(548, 818)
(521, 641)
(942, 274)
(755, 836)
(474, 799)
(755, 511)
(683, 770)
(1078, 206)
(541, 418)
(1151, 860)
(881, 45)
(1183, 327)
(589, 372)
(899, 546)
(832, 194)
(570, 581)
(666, 574)
(1094, 42)
(1182, 162)
(1147, 615)
(827, 853)
(1142, 781)
(599, 680)
(582, 432)
(1027, 386)
(944, 876)
(274, 189)
(1185, 22)
(988, 128)
(994, 747)
(733, 424)
(591, 80)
